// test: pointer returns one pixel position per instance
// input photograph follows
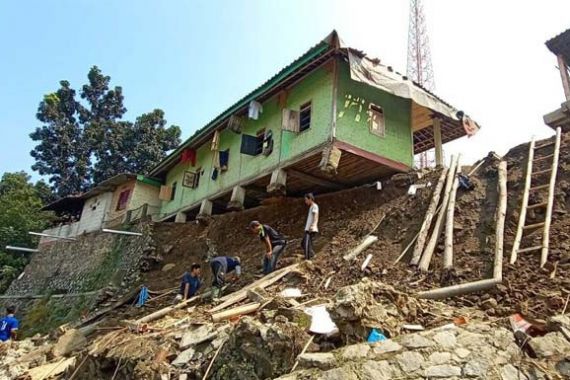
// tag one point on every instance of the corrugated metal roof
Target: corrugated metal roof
(560, 45)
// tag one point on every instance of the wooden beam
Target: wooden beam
(564, 75)
(240, 310)
(367, 242)
(372, 157)
(458, 290)
(314, 180)
(437, 141)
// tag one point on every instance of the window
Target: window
(123, 199)
(377, 123)
(252, 145)
(173, 192)
(305, 117)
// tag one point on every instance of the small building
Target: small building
(121, 199)
(334, 118)
(560, 47)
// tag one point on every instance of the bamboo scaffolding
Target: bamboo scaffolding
(500, 228)
(449, 224)
(550, 202)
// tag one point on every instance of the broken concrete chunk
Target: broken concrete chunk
(197, 336)
(184, 357)
(168, 267)
(321, 360)
(550, 345)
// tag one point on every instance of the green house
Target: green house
(332, 119)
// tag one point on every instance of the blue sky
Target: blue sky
(195, 58)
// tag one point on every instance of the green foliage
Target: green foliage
(107, 271)
(49, 313)
(20, 203)
(80, 144)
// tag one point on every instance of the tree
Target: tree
(62, 153)
(20, 202)
(81, 144)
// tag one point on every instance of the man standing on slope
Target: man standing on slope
(9, 325)
(222, 265)
(311, 226)
(273, 241)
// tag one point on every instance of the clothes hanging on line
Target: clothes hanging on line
(188, 155)
(255, 108)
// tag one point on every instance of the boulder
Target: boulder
(552, 344)
(201, 334)
(71, 341)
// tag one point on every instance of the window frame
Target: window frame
(372, 109)
(303, 108)
(125, 205)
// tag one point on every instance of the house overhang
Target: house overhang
(560, 45)
(559, 118)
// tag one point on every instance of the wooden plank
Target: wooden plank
(548, 218)
(424, 229)
(315, 180)
(458, 290)
(524, 203)
(500, 228)
(240, 310)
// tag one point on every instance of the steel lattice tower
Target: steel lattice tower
(419, 68)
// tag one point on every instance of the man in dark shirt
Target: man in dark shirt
(273, 241)
(190, 282)
(222, 265)
(9, 325)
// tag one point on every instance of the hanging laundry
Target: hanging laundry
(224, 159)
(216, 161)
(255, 108)
(215, 141)
(215, 174)
(188, 155)
(471, 128)
(267, 143)
(143, 296)
(235, 124)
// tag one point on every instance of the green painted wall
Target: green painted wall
(316, 88)
(353, 121)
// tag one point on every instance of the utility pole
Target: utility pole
(419, 67)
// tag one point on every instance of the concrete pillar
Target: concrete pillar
(180, 217)
(278, 182)
(206, 208)
(437, 142)
(237, 199)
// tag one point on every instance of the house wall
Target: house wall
(114, 216)
(352, 126)
(316, 88)
(94, 211)
(145, 194)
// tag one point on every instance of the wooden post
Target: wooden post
(524, 203)
(449, 224)
(237, 198)
(367, 242)
(564, 75)
(550, 202)
(430, 247)
(424, 229)
(458, 290)
(278, 182)
(245, 309)
(499, 230)
(437, 141)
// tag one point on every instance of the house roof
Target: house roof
(310, 60)
(560, 45)
(69, 203)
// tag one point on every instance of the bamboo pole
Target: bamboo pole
(430, 247)
(550, 202)
(501, 213)
(213, 359)
(262, 283)
(367, 242)
(524, 203)
(449, 224)
(302, 352)
(245, 309)
(162, 312)
(424, 229)
(22, 249)
(458, 290)
(109, 231)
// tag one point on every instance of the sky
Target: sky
(195, 58)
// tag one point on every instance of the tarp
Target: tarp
(375, 74)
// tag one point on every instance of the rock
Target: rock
(184, 357)
(168, 267)
(437, 358)
(415, 341)
(490, 303)
(469, 339)
(445, 339)
(338, 374)
(475, 368)
(410, 361)
(320, 360)
(385, 347)
(563, 367)
(70, 341)
(510, 372)
(183, 376)
(550, 345)
(462, 353)
(442, 371)
(355, 351)
(197, 336)
(381, 370)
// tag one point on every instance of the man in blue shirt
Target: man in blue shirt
(190, 282)
(9, 325)
(273, 242)
(221, 266)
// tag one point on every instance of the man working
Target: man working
(221, 266)
(311, 227)
(9, 325)
(190, 283)
(274, 242)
